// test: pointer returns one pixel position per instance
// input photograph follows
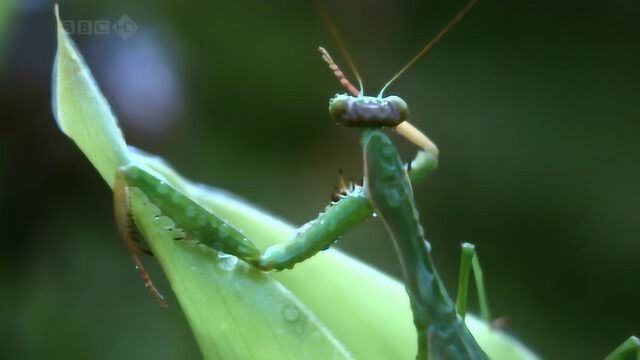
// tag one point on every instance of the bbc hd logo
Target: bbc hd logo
(124, 27)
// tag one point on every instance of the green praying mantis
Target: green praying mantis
(387, 191)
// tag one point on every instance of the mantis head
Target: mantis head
(357, 110)
(368, 111)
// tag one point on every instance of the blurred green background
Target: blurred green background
(533, 105)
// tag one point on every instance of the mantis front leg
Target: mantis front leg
(197, 222)
(427, 157)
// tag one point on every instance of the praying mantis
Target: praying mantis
(387, 191)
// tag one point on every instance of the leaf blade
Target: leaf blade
(234, 310)
(82, 112)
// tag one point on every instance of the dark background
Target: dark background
(533, 105)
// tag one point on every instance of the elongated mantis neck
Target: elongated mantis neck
(414, 250)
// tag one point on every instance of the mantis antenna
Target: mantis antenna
(343, 49)
(338, 73)
(430, 44)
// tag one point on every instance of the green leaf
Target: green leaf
(83, 113)
(236, 312)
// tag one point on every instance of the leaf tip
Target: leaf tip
(56, 12)
(54, 98)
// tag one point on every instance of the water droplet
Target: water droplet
(291, 313)
(227, 262)
(164, 222)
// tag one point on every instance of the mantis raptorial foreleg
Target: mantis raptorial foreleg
(199, 223)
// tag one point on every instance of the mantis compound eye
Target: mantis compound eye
(400, 105)
(338, 106)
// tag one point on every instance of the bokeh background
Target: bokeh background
(533, 104)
